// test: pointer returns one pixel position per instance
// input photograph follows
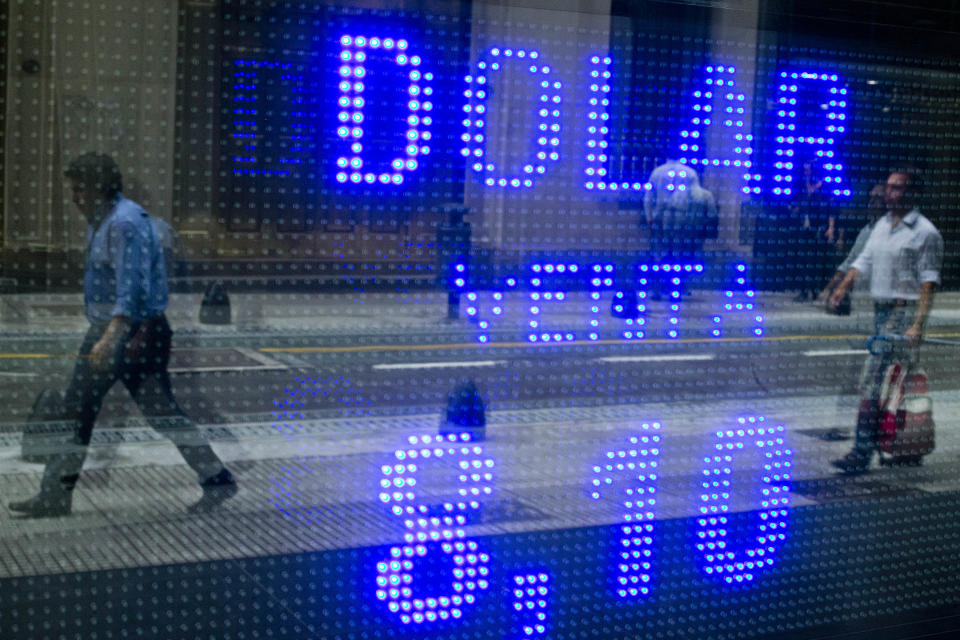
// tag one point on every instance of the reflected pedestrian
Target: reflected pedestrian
(902, 259)
(816, 232)
(678, 212)
(125, 296)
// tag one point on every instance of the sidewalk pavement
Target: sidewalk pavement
(313, 485)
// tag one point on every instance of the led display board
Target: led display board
(412, 111)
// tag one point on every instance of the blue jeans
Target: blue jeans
(890, 320)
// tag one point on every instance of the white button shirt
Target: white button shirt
(898, 260)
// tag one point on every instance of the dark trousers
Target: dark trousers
(672, 246)
(148, 382)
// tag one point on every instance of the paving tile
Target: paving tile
(134, 514)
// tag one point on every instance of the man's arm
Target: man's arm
(914, 334)
(928, 265)
(862, 263)
(128, 259)
(837, 296)
(649, 205)
(827, 290)
(858, 246)
(102, 352)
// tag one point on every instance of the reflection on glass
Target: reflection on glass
(477, 320)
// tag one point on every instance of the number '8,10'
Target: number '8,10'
(627, 474)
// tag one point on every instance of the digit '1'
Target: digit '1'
(637, 462)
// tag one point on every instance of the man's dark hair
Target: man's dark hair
(97, 171)
(914, 180)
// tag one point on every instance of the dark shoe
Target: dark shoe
(836, 434)
(852, 464)
(216, 490)
(45, 505)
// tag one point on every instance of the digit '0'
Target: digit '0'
(719, 555)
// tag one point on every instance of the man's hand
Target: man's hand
(845, 284)
(102, 353)
(914, 335)
(836, 298)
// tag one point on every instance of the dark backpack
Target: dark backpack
(465, 412)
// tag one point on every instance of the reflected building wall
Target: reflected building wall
(79, 83)
(328, 402)
(154, 97)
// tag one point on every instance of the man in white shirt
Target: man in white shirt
(902, 259)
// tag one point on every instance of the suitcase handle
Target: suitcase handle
(902, 338)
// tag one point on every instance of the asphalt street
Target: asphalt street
(386, 356)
